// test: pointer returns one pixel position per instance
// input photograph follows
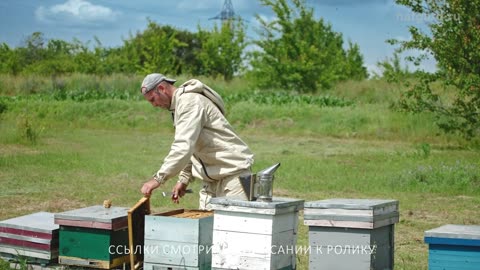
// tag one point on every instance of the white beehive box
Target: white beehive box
(179, 239)
(255, 235)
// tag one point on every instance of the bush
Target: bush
(27, 131)
(453, 40)
(3, 107)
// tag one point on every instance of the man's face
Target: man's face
(158, 98)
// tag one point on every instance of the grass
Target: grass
(87, 151)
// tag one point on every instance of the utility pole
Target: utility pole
(227, 13)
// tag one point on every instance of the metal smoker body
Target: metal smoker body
(259, 186)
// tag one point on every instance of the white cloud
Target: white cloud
(76, 12)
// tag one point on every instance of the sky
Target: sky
(369, 23)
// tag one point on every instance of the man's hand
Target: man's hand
(178, 191)
(149, 186)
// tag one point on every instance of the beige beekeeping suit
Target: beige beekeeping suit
(205, 144)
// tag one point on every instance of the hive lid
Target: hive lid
(97, 216)
(351, 213)
(136, 231)
(352, 204)
(41, 222)
(276, 206)
(455, 232)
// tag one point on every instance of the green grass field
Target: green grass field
(62, 154)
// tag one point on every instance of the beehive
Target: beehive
(34, 236)
(93, 236)
(179, 239)
(349, 234)
(454, 247)
(255, 235)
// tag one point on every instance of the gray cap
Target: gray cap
(152, 80)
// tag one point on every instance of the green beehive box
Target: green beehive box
(93, 237)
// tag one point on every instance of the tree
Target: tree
(296, 51)
(187, 53)
(157, 52)
(392, 69)
(222, 49)
(9, 60)
(454, 41)
(34, 45)
(153, 50)
(42, 56)
(354, 68)
(92, 61)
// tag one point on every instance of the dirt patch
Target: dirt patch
(61, 205)
(15, 149)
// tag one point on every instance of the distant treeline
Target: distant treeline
(296, 52)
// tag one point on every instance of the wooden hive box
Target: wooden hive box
(94, 237)
(255, 235)
(179, 239)
(351, 233)
(453, 247)
(34, 236)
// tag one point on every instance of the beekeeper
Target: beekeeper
(205, 145)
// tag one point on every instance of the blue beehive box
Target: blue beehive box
(454, 247)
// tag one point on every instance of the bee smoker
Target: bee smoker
(259, 186)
